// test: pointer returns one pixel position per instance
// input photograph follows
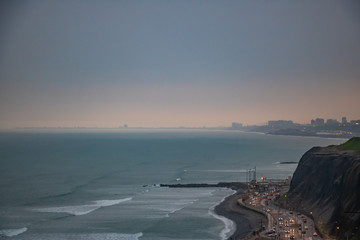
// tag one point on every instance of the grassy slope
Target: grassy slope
(352, 144)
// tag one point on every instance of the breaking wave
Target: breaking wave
(84, 236)
(12, 232)
(230, 226)
(83, 209)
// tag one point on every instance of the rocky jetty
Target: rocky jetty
(326, 186)
(231, 185)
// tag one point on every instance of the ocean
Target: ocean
(104, 185)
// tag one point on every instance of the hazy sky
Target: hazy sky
(171, 63)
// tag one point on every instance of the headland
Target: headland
(326, 187)
(321, 202)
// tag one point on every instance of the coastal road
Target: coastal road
(283, 223)
(290, 224)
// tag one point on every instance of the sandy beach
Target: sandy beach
(245, 220)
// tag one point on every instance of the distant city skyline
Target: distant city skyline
(232, 125)
(177, 63)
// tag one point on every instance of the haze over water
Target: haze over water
(91, 185)
(159, 64)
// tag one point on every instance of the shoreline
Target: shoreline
(245, 220)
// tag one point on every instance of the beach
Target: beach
(60, 186)
(238, 214)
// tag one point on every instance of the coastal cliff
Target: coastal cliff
(326, 186)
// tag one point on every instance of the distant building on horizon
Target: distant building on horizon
(280, 124)
(236, 125)
(319, 121)
(332, 122)
(343, 120)
(355, 122)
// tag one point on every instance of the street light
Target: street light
(312, 225)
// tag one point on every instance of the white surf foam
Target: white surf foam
(177, 206)
(12, 232)
(110, 236)
(230, 226)
(83, 209)
(162, 202)
(85, 236)
(224, 170)
(164, 207)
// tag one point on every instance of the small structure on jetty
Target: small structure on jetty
(251, 175)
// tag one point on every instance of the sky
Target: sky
(166, 63)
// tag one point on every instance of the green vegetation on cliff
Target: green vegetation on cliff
(352, 144)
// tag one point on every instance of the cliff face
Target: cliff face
(327, 183)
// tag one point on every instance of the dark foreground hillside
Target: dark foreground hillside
(326, 185)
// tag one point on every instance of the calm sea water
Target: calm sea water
(91, 185)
